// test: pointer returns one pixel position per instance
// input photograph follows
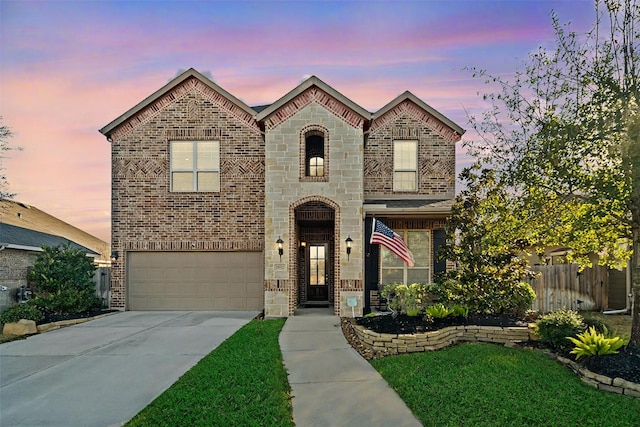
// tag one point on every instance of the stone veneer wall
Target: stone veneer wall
(285, 190)
(146, 216)
(435, 340)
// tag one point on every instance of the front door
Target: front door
(318, 272)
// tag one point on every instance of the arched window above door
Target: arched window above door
(314, 154)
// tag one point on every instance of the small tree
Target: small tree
(63, 281)
(490, 275)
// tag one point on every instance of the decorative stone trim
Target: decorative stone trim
(436, 340)
(601, 382)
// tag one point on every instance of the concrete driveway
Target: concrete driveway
(103, 372)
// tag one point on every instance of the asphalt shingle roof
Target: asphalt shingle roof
(13, 235)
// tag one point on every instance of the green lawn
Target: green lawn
(241, 383)
(489, 385)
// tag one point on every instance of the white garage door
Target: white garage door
(195, 280)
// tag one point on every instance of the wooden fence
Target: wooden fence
(559, 286)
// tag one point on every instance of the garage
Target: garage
(195, 280)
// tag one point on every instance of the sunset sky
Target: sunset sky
(68, 68)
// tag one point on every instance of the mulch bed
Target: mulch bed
(625, 364)
(50, 318)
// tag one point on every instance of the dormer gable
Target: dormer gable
(313, 90)
(409, 104)
(188, 81)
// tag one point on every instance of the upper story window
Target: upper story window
(314, 154)
(405, 165)
(195, 166)
(314, 147)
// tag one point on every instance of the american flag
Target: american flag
(383, 235)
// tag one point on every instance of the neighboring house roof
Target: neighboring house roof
(148, 101)
(13, 237)
(31, 218)
(308, 83)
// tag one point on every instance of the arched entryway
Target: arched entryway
(316, 260)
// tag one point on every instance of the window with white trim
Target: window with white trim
(195, 166)
(394, 270)
(405, 165)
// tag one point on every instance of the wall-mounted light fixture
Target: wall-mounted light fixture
(114, 256)
(348, 242)
(280, 242)
(302, 244)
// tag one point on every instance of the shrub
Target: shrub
(68, 301)
(61, 267)
(409, 299)
(492, 297)
(458, 310)
(597, 324)
(63, 281)
(437, 311)
(554, 328)
(593, 343)
(20, 311)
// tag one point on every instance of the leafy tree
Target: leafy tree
(563, 137)
(490, 274)
(5, 134)
(63, 281)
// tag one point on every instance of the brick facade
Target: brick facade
(147, 216)
(14, 265)
(436, 161)
(263, 182)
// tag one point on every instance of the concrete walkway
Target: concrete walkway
(103, 372)
(332, 385)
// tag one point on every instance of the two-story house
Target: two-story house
(220, 206)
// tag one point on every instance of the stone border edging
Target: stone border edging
(391, 344)
(601, 382)
(46, 327)
(435, 340)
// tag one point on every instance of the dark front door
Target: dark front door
(318, 272)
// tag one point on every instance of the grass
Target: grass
(241, 383)
(488, 385)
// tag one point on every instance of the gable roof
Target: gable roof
(455, 131)
(13, 237)
(28, 217)
(173, 84)
(305, 85)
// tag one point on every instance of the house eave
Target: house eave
(382, 210)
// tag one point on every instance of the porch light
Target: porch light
(114, 256)
(303, 244)
(348, 242)
(279, 242)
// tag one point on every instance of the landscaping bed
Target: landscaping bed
(625, 364)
